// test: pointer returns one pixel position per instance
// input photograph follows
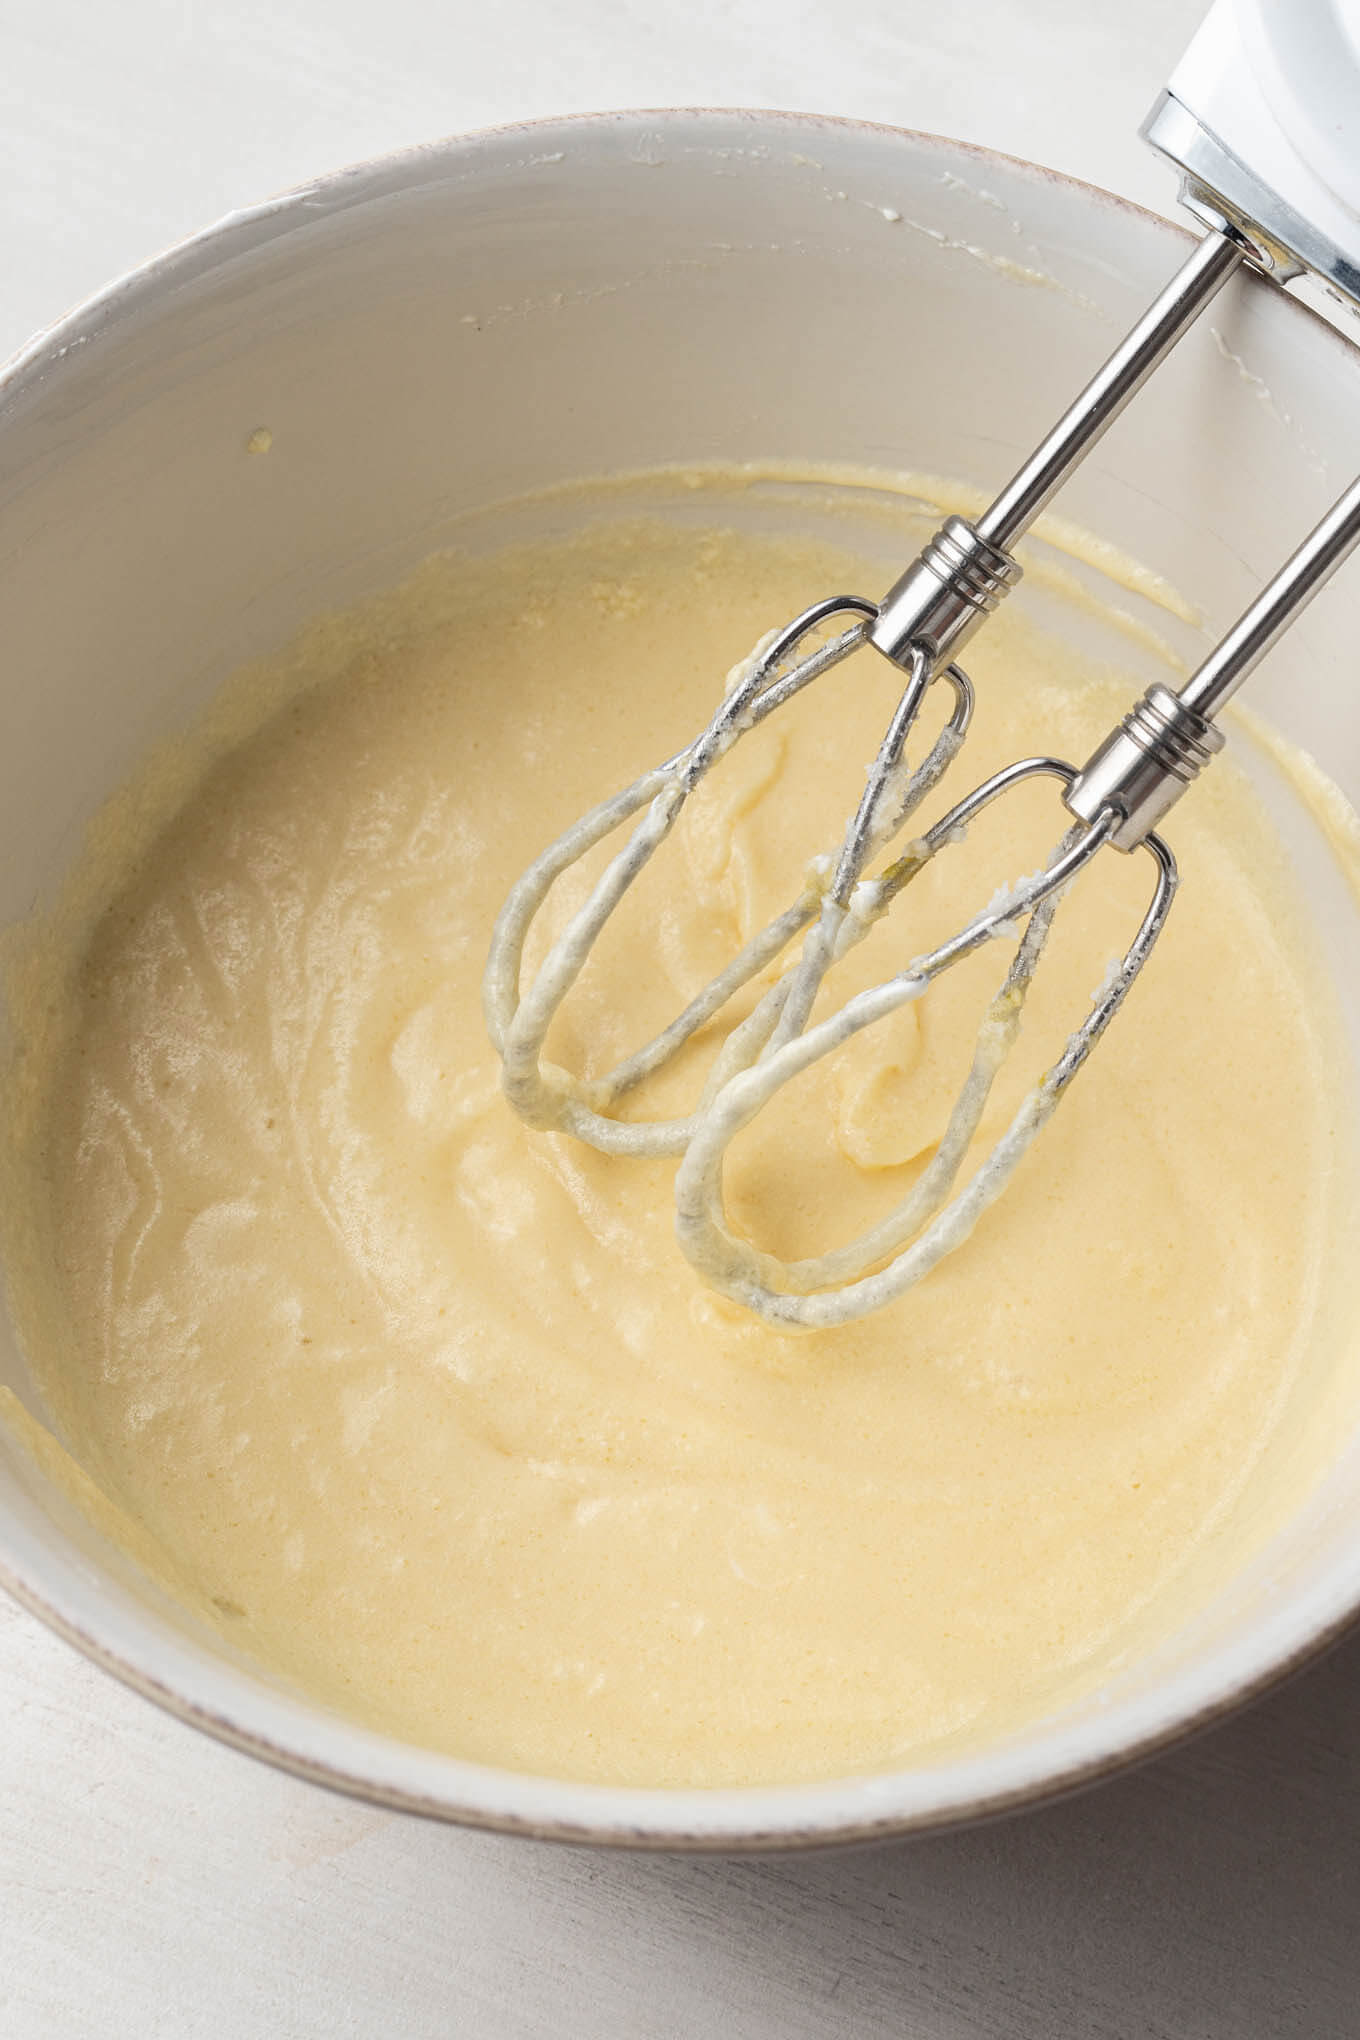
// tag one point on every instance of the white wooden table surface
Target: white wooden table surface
(153, 1884)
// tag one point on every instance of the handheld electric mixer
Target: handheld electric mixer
(1252, 119)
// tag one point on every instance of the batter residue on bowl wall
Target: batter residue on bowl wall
(428, 1408)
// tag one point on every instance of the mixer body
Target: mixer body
(1262, 119)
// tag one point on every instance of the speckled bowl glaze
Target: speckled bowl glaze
(455, 325)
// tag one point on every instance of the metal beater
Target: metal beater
(1283, 211)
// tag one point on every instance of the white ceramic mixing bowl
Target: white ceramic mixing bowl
(452, 326)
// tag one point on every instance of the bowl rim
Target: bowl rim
(1034, 1768)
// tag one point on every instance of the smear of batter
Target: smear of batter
(427, 1407)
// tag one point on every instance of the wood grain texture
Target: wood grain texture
(155, 1885)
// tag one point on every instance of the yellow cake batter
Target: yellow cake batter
(426, 1408)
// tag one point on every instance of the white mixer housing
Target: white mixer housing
(1262, 116)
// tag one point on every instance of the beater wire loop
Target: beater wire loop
(519, 1017)
(836, 1287)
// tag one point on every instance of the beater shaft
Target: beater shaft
(1144, 766)
(965, 570)
(1170, 316)
(1275, 608)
